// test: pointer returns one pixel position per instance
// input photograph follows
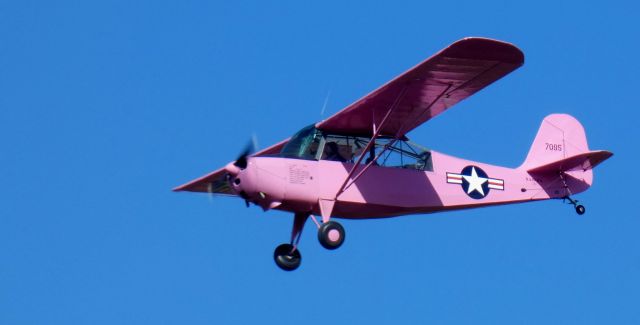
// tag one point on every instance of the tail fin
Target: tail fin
(561, 146)
(560, 136)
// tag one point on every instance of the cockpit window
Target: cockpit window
(312, 144)
(332, 152)
(343, 148)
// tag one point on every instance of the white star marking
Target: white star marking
(475, 182)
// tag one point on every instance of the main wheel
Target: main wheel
(286, 257)
(580, 209)
(331, 235)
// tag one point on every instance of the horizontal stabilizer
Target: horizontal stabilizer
(580, 162)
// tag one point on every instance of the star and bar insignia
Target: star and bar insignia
(475, 182)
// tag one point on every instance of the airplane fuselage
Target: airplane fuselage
(299, 185)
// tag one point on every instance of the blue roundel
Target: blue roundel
(475, 182)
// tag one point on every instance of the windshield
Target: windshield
(303, 145)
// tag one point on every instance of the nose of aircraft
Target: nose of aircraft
(258, 181)
(243, 180)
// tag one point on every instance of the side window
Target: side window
(404, 154)
(311, 151)
(337, 148)
(343, 148)
(398, 154)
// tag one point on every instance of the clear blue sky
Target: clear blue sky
(105, 106)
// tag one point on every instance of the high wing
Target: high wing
(215, 182)
(411, 99)
(428, 89)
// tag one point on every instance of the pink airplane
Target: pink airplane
(359, 164)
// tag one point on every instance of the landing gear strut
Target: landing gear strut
(580, 209)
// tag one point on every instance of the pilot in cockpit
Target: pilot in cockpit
(332, 152)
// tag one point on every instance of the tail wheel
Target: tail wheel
(331, 235)
(287, 257)
(580, 209)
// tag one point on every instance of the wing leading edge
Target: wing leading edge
(215, 182)
(429, 88)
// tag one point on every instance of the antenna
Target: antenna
(324, 106)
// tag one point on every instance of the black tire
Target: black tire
(580, 209)
(286, 258)
(325, 239)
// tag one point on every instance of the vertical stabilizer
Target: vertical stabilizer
(560, 136)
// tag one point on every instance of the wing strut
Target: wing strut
(384, 149)
(371, 142)
(376, 133)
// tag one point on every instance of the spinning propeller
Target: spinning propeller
(249, 149)
(240, 163)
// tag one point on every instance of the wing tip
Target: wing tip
(484, 47)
